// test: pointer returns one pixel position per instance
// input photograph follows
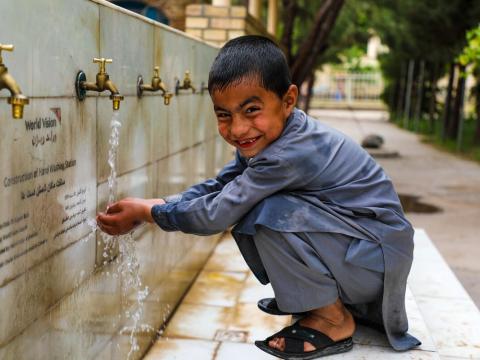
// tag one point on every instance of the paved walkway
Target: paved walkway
(439, 178)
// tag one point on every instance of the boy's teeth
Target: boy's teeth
(247, 141)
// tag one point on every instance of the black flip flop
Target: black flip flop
(269, 306)
(296, 335)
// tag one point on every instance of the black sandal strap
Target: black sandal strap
(295, 335)
(292, 345)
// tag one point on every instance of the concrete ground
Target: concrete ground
(439, 178)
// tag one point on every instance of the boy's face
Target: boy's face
(250, 117)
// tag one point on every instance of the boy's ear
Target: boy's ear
(290, 98)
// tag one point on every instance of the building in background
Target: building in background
(216, 23)
(169, 12)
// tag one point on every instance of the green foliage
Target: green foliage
(471, 52)
(470, 150)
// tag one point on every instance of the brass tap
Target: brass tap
(102, 83)
(157, 84)
(187, 84)
(17, 100)
(203, 87)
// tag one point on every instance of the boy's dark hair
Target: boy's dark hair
(250, 56)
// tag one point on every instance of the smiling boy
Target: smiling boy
(314, 214)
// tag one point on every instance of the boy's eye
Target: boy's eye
(252, 109)
(222, 116)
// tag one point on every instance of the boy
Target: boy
(314, 214)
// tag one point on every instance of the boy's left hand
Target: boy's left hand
(123, 216)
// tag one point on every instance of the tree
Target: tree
(470, 56)
(304, 47)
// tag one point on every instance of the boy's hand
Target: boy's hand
(123, 216)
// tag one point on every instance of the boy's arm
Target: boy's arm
(227, 174)
(215, 212)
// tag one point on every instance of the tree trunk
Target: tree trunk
(432, 106)
(420, 87)
(448, 101)
(290, 10)
(308, 97)
(453, 125)
(401, 93)
(316, 42)
(408, 94)
(476, 91)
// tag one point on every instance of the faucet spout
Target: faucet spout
(102, 84)
(17, 99)
(156, 85)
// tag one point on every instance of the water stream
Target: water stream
(127, 269)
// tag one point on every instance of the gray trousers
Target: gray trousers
(312, 270)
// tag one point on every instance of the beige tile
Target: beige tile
(424, 249)
(232, 261)
(239, 351)
(181, 349)
(454, 325)
(435, 279)
(198, 169)
(181, 123)
(174, 54)
(216, 288)
(129, 42)
(45, 63)
(198, 321)
(156, 112)
(259, 325)
(253, 291)
(135, 136)
(365, 352)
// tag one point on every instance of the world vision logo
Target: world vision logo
(58, 114)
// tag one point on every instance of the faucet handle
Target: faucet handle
(102, 62)
(156, 71)
(4, 47)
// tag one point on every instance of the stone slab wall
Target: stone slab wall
(58, 299)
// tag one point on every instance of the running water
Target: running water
(127, 262)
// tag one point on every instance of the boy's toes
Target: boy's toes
(277, 343)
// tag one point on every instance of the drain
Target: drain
(412, 204)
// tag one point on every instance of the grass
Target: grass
(468, 149)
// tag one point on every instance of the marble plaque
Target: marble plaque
(48, 182)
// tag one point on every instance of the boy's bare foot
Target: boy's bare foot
(333, 320)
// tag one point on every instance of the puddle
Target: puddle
(413, 204)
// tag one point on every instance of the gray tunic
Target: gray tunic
(311, 179)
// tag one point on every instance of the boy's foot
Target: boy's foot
(333, 320)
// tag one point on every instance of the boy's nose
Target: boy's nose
(239, 127)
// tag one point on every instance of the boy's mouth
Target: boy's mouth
(246, 143)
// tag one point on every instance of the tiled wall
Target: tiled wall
(57, 299)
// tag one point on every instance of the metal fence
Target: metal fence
(348, 89)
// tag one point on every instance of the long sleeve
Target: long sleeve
(216, 211)
(227, 174)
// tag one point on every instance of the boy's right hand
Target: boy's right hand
(123, 216)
